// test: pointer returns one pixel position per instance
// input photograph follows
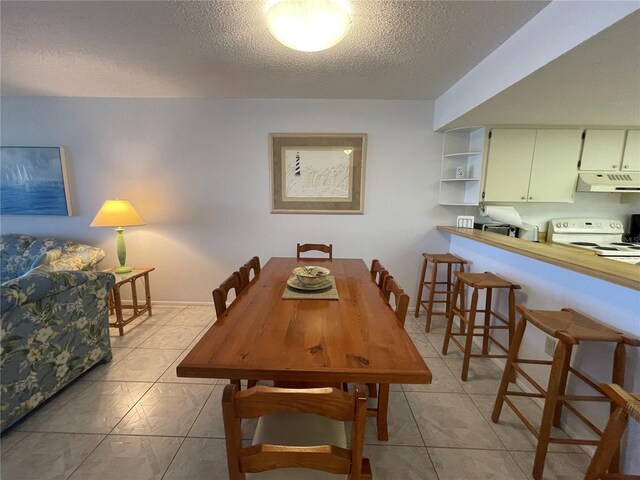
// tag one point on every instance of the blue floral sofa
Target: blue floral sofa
(54, 319)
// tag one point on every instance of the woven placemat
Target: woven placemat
(328, 294)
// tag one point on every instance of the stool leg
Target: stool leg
(557, 367)
(448, 286)
(508, 369)
(463, 302)
(512, 324)
(432, 291)
(471, 323)
(447, 335)
(487, 322)
(617, 376)
(421, 287)
(557, 414)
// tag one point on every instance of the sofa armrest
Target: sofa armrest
(40, 283)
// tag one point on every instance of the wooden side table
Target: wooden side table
(115, 300)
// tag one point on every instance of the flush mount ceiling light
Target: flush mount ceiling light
(308, 25)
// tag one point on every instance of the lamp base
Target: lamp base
(123, 269)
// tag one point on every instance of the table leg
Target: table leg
(117, 301)
(134, 296)
(147, 291)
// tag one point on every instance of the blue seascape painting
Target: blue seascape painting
(32, 181)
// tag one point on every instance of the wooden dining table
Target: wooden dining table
(262, 336)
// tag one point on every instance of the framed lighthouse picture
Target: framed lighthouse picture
(317, 173)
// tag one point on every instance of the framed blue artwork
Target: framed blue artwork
(33, 181)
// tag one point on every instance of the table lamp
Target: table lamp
(118, 213)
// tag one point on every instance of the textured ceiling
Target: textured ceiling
(222, 49)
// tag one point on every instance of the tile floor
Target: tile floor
(134, 419)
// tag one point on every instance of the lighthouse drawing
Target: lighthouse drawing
(297, 171)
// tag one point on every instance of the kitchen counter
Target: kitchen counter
(577, 260)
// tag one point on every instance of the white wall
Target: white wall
(197, 171)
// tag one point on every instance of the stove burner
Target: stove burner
(622, 244)
(608, 248)
(584, 244)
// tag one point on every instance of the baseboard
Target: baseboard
(173, 303)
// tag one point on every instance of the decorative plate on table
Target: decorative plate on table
(294, 283)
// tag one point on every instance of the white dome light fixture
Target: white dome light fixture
(308, 25)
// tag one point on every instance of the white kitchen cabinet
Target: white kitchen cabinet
(631, 156)
(462, 154)
(529, 165)
(554, 170)
(508, 166)
(602, 150)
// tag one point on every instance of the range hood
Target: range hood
(608, 182)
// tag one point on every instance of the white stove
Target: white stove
(603, 236)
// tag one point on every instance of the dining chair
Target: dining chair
(220, 296)
(378, 273)
(297, 429)
(626, 405)
(320, 247)
(252, 265)
(378, 401)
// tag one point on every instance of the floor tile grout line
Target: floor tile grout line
(424, 444)
(184, 439)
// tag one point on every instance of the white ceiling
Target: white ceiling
(222, 49)
(395, 50)
(596, 83)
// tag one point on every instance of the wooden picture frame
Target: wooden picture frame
(317, 172)
(34, 181)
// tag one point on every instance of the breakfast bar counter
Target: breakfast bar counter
(577, 260)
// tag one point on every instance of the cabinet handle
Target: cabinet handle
(625, 166)
(530, 198)
(523, 198)
(613, 166)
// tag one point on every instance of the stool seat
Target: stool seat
(572, 327)
(485, 280)
(443, 258)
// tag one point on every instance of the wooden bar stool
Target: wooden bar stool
(569, 328)
(436, 258)
(479, 281)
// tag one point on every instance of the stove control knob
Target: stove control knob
(618, 225)
(613, 225)
(565, 224)
(558, 224)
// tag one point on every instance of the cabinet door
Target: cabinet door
(509, 165)
(554, 171)
(602, 150)
(631, 157)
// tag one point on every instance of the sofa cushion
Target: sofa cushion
(19, 254)
(15, 251)
(47, 257)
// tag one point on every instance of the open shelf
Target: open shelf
(462, 151)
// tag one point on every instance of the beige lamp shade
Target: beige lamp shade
(117, 213)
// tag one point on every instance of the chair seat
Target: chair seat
(443, 258)
(299, 429)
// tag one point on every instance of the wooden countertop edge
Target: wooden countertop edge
(588, 263)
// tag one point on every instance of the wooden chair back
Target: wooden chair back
(320, 247)
(327, 402)
(400, 299)
(221, 293)
(378, 273)
(626, 405)
(252, 265)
